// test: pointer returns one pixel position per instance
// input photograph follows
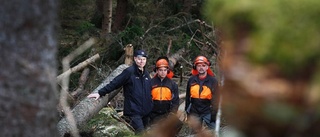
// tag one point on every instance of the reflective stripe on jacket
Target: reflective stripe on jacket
(204, 93)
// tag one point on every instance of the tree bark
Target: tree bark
(28, 92)
(88, 107)
(121, 12)
(128, 54)
(107, 17)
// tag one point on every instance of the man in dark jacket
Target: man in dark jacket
(136, 83)
(202, 92)
(164, 92)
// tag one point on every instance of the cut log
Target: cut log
(88, 107)
(128, 54)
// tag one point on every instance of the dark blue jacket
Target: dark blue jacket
(136, 90)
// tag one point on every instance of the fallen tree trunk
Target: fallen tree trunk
(88, 107)
(174, 58)
(65, 85)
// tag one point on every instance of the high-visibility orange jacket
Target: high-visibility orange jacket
(201, 95)
(165, 95)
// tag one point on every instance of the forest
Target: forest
(265, 56)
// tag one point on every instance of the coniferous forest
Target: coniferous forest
(265, 56)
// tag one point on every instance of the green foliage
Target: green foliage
(282, 32)
(97, 19)
(85, 26)
(130, 33)
(75, 13)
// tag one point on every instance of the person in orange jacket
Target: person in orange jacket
(164, 91)
(202, 92)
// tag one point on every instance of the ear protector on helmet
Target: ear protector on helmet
(200, 59)
(194, 66)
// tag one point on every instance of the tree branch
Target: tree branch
(78, 67)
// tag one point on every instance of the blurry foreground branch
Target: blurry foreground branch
(65, 84)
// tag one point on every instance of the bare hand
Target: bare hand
(96, 96)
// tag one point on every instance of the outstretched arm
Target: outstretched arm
(116, 83)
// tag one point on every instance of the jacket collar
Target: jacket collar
(205, 79)
(165, 79)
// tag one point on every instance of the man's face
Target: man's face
(140, 61)
(162, 72)
(202, 68)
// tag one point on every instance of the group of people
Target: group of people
(148, 100)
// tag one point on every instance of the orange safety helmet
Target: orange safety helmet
(201, 59)
(162, 63)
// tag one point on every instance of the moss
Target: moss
(104, 124)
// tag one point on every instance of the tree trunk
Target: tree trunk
(121, 12)
(88, 107)
(107, 17)
(28, 92)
